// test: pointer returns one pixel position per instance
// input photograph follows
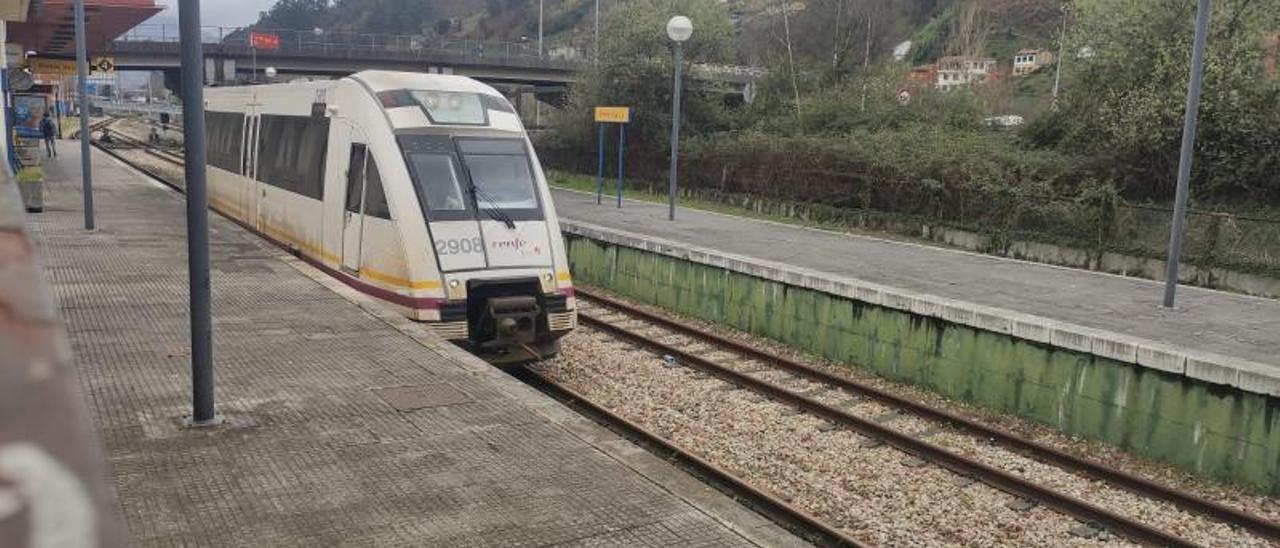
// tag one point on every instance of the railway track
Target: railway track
(781, 510)
(655, 328)
(122, 141)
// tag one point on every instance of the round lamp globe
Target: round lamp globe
(679, 28)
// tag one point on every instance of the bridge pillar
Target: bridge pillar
(172, 81)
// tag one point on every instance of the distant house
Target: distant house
(1028, 61)
(924, 75)
(960, 71)
(568, 53)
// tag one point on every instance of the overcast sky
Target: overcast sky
(218, 13)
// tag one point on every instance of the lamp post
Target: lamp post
(679, 29)
(192, 49)
(82, 89)
(1062, 51)
(1178, 226)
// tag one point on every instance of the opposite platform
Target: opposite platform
(347, 425)
(1213, 336)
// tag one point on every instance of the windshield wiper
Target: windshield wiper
(477, 194)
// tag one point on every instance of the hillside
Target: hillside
(823, 31)
(497, 20)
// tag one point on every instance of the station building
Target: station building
(44, 30)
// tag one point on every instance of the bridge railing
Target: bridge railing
(322, 42)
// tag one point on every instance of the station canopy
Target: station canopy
(51, 26)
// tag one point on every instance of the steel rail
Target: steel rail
(819, 531)
(147, 148)
(1043, 452)
(994, 477)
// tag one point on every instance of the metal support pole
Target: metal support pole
(595, 59)
(622, 149)
(600, 171)
(675, 128)
(1062, 51)
(197, 214)
(82, 72)
(539, 29)
(1188, 151)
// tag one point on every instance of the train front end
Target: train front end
(492, 230)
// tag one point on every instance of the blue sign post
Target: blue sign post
(611, 115)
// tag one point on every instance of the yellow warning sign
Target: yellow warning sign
(103, 64)
(53, 67)
(616, 115)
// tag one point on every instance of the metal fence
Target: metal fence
(323, 42)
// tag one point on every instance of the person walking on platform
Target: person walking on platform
(49, 132)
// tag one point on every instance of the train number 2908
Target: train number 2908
(457, 246)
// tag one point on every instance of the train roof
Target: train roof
(378, 81)
(384, 80)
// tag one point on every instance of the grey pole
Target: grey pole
(1062, 50)
(596, 54)
(1188, 151)
(539, 29)
(82, 71)
(197, 214)
(675, 128)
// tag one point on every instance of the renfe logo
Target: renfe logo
(514, 244)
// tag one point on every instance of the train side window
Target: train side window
(375, 199)
(292, 153)
(355, 177)
(224, 133)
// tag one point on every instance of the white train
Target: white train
(421, 190)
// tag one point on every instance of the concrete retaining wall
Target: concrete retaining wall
(1217, 430)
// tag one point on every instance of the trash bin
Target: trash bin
(31, 187)
(29, 152)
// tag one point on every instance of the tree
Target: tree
(635, 70)
(969, 30)
(1123, 105)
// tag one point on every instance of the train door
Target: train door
(249, 168)
(353, 208)
(248, 188)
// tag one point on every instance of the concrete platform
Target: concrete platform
(347, 425)
(1092, 354)
(1215, 336)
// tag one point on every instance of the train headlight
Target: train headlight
(549, 277)
(453, 284)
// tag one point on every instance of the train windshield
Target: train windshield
(460, 179)
(499, 170)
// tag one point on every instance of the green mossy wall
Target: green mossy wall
(1212, 430)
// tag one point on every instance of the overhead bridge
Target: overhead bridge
(230, 56)
(513, 67)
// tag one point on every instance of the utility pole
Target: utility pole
(82, 72)
(1188, 151)
(866, 64)
(596, 53)
(197, 215)
(791, 60)
(540, 29)
(1062, 50)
